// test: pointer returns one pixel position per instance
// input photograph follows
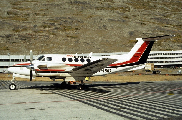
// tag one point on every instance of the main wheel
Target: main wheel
(12, 86)
(81, 87)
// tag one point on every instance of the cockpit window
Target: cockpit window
(40, 58)
(49, 58)
(43, 59)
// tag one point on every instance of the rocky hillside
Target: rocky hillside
(82, 26)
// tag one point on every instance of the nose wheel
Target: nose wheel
(12, 86)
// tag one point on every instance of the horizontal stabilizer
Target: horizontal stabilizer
(156, 38)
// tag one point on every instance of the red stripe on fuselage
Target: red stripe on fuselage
(74, 65)
(136, 56)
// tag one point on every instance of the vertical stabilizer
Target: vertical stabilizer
(139, 53)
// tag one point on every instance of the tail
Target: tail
(140, 52)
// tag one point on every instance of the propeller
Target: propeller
(31, 59)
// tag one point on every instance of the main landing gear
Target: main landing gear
(81, 86)
(71, 85)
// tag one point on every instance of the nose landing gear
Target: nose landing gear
(12, 86)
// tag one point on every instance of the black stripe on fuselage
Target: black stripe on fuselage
(142, 60)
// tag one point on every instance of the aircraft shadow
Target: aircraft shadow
(94, 87)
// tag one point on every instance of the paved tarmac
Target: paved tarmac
(99, 100)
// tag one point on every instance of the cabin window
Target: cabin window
(63, 59)
(49, 58)
(70, 59)
(82, 60)
(88, 60)
(76, 59)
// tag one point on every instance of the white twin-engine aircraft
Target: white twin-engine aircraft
(79, 67)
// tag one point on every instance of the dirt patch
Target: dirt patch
(136, 78)
(111, 77)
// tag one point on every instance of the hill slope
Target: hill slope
(79, 26)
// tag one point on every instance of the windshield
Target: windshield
(40, 58)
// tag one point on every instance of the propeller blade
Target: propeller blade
(31, 74)
(31, 59)
(31, 56)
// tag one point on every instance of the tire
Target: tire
(81, 87)
(12, 86)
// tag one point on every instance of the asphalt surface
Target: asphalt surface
(99, 100)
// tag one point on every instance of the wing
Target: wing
(89, 69)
